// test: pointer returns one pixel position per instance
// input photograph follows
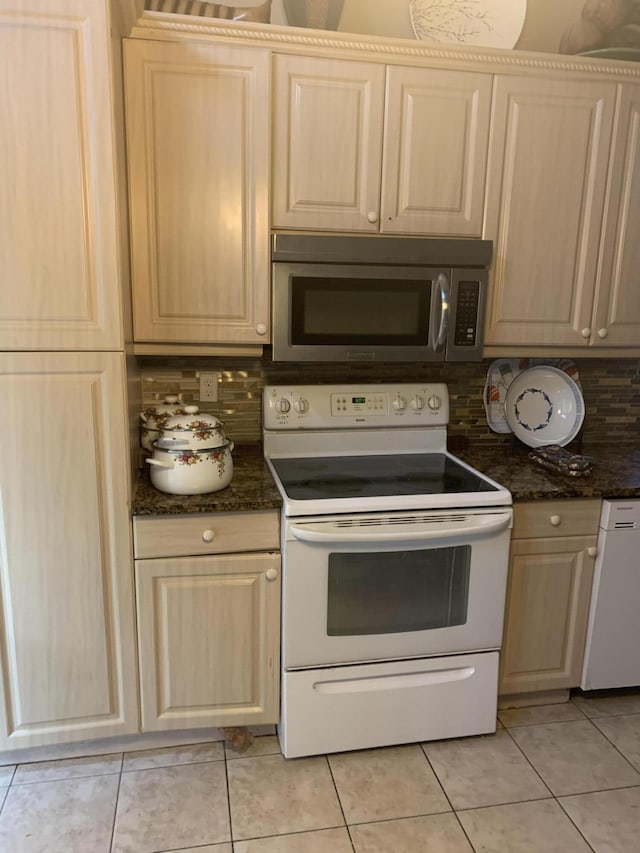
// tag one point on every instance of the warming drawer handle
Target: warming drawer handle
(369, 535)
(394, 682)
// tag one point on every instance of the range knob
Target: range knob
(417, 403)
(399, 404)
(434, 402)
(301, 406)
(282, 405)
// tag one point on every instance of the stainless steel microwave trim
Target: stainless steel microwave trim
(367, 249)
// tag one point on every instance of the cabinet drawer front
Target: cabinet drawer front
(215, 533)
(556, 518)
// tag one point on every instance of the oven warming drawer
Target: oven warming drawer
(369, 705)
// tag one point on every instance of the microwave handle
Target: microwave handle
(442, 283)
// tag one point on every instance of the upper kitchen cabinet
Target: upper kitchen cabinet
(616, 320)
(58, 226)
(548, 166)
(363, 147)
(198, 153)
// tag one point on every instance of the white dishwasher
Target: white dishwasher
(612, 651)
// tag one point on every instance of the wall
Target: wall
(611, 390)
(544, 25)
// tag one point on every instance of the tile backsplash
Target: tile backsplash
(611, 389)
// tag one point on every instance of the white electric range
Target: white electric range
(394, 569)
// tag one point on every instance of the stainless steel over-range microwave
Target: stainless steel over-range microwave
(378, 299)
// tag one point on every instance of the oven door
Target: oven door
(392, 586)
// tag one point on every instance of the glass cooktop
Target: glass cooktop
(376, 476)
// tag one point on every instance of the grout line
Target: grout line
(617, 749)
(448, 799)
(226, 781)
(173, 764)
(531, 764)
(65, 779)
(335, 787)
(573, 823)
(115, 806)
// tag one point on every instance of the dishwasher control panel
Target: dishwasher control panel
(620, 515)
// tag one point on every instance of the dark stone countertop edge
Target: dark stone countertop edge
(615, 474)
(252, 488)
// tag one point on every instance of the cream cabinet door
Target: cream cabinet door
(327, 135)
(67, 642)
(548, 597)
(435, 151)
(198, 153)
(548, 163)
(617, 312)
(209, 635)
(58, 240)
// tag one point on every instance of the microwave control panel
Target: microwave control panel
(355, 406)
(466, 327)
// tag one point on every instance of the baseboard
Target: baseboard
(525, 700)
(149, 740)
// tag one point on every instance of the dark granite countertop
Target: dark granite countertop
(615, 474)
(251, 488)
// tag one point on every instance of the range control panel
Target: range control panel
(353, 406)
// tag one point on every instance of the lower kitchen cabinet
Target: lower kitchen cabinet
(67, 635)
(209, 625)
(549, 590)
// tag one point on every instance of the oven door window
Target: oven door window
(397, 592)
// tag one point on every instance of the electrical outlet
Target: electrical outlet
(208, 387)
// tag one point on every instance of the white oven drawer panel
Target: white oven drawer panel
(406, 590)
(371, 705)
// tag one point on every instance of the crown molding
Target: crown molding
(165, 26)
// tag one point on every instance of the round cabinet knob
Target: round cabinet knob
(417, 404)
(282, 405)
(271, 574)
(301, 406)
(434, 402)
(555, 520)
(603, 333)
(586, 333)
(592, 551)
(372, 216)
(261, 329)
(208, 536)
(399, 404)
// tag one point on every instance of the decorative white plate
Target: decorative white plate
(485, 23)
(544, 406)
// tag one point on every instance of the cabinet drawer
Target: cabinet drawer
(555, 518)
(215, 533)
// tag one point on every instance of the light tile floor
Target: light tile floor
(555, 779)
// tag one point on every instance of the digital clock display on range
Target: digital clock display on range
(356, 400)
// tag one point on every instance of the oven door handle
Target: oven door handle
(368, 535)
